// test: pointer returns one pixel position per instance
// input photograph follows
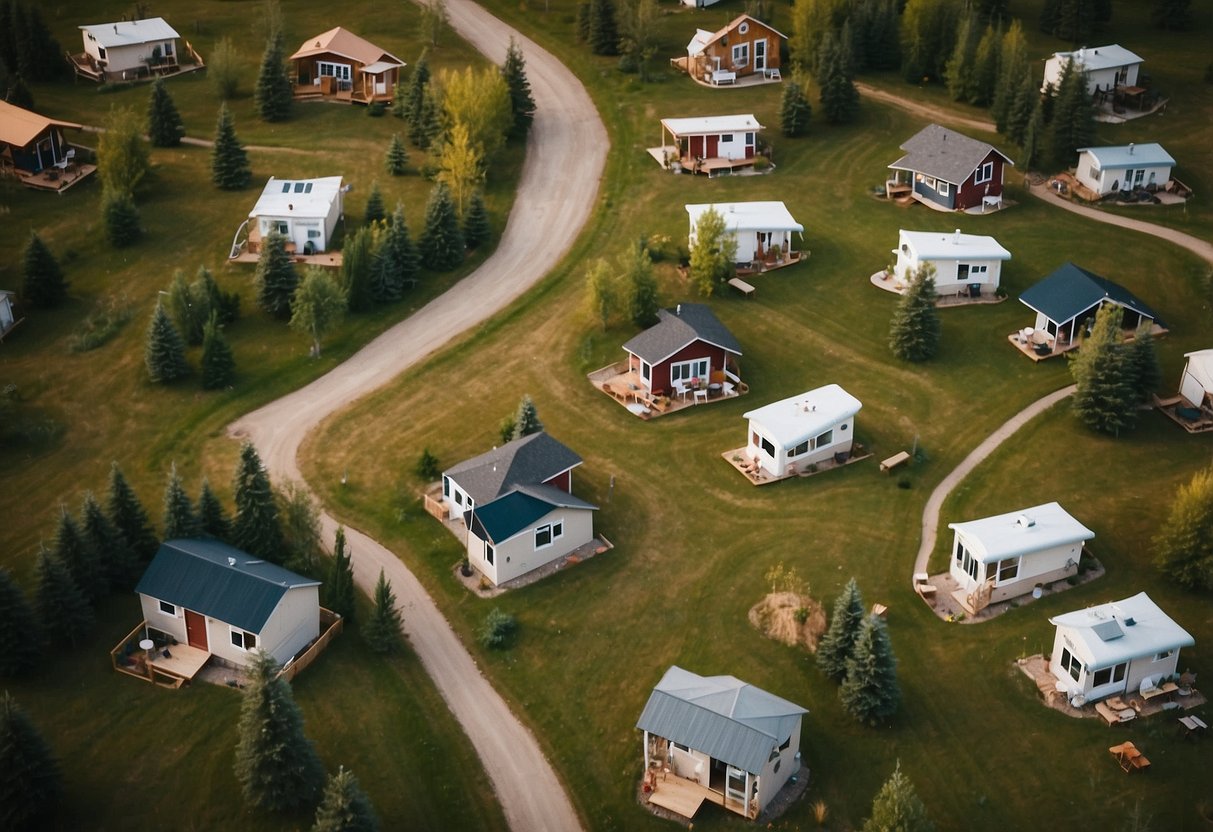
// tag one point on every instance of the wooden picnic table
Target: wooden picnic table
(1129, 757)
(1192, 726)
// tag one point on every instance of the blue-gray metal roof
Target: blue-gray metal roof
(1070, 291)
(504, 517)
(720, 716)
(530, 460)
(219, 581)
(678, 327)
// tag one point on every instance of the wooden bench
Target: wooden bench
(893, 461)
(741, 286)
(1113, 717)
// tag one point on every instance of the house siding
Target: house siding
(122, 59)
(1098, 79)
(172, 625)
(778, 465)
(659, 382)
(722, 49)
(293, 625)
(298, 227)
(971, 193)
(1042, 566)
(518, 555)
(1105, 181)
(771, 781)
(1140, 667)
(928, 194)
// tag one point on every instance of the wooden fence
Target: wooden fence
(331, 625)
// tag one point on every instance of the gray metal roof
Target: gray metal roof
(504, 517)
(1072, 290)
(945, 154)
(721, 716)
(531, 460)
(678, 327)
(219, 581)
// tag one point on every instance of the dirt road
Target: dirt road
(936, 114)
(566, 152)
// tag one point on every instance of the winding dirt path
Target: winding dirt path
(926, 111)
(566, 153)
(930, 514)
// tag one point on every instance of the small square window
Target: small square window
(243, 640)
(168, 609)
(298, 187)
(286, 187)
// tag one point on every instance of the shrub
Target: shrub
(496, 629)
(427, 466)
(105, 321)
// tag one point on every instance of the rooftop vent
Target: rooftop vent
(1024, 521)
(1130, 621)
(1130, 148)
(956, 238)
(678, 309)
(231, 561)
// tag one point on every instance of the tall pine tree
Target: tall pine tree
(32, 785)
(19, 631)
(397, 158)
(180, 520)
(476, 229)
(839, 98)
(914, 329)
(374, 206)
(61, 606)
(603, 30)
(43, 281)
(1183, 546)
(164, 125)
(870, 691)
(396, 262)
(273, 94)
(212, 517)
(794, 110)
(124, 510)
(338, 589)
(74, 550)
(218, 363)
(835, 645)
(1105, 397)
(229, 163)
(345, 806)
(382, 629)
(257, 529)
(164, 349)
(522, 103)
(441, 244)
(275, 278)
(115, 555)
(1073, 124)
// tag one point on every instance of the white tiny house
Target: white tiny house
(964, 263)
(1196, 384)
(761, 228)
(127, 49)
(1105, 67)
(1106, 170)
(787, 436)
(305, 211)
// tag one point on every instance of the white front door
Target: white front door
(760, 55)
(734, 785)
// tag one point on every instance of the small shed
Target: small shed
(745, 46)
(1106, 170)
(733, 739)
(1011, 553)
(129, 48)
(763, 230)
(1066, 299)
(705, 139)
(1196, 383)
(228, 603)
(964, 263)
(950, 171)
(305, 211)
(1124, 646)
(688, 344)
(789, 435)
(1105, 67)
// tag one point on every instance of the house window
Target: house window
(768, 447)
(458, 499)
(168, 609)
(313, 234)
(1003, 570)
(299, 187)
(944, 188)
(985, 173)
(799, 450)
(929, 181)
(488, 553)
(646, 371)
(1166, 654)
(545, 535)
(961, 552)
(749, 139)
(243, 640)
(824, 439)
(446, 487)
(1071, 664)
(101, 52)
(1110, 674)
(286, 187)
(743, 28)
(168, 49)
(341, 72)
(726, 137)
(686, 370)
(741, 54)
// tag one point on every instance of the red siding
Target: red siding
(660, 381)
(970, 194)
(563, 481)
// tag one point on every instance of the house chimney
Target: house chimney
(956, 238)
(1130, 148)
(231, 561)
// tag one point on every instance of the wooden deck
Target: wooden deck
(626, 387)
(53, 178)
(1033, 346)
(84, 66)
(682, 797)
(181, 664)
(1170, 407)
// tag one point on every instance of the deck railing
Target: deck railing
(331, 625)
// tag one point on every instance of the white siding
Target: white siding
(1106, 181)
(777, 465)
(1139, 669)
(771, 781)
(292, 624)
(1043, 566)
(518, 555)
(157, 620)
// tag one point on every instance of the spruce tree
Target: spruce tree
(375, 211)
(358, 269)
(382, 630)
(180, 520)
(641, 286)
(526, 418)
(164, 351)
(1013, 62)
(118, 560)
(124, 510)
(229, 163)
(164, 125)
(985, 67)
(257, 529)
(476, 229)
(427, 130)
(1034, 136)
(212, 517)
(1183, 546)
(345, 806)
(412, 101)
(397, 159)
(218, 363)
(276, 763)
(32, 784)
(839, 98)
(914, 329)
(897, 807)
(870, 691)
(1073, 124)
(273, 93)
(396, 262)
(227, 304)
(1026, 100)
(275, 278)
(959, 70)
(522, 103)
(1105, 397)
(43, 281)
(834, 648)
(121, 217)
(18, 630)
(189, 307)
(61, 606)
(794, 110)
(338, 590)
(1143, 364)
(441, 245)
(603, 31)
(74, 550)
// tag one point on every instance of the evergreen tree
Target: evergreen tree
(338, 589)
(602, 292)
(124, 510)
(1027, 100)
(382, 629)
(441, 245)
(870, 692)
(522, 103)
(839, 98)
(189, 307)
(1013, 63)
(897, 807)
(1175, 15)
(928, 33)
(257, 529)
(1105, 399)
(397, 159)
(121, 218)
(1183, 546)
(218, 362)
(180, 520)
(358, 267)
(117, 560)
(212, 517)
(164, 351)
(273, 93)
(413, 98)
(374, 205)
(1072, 20)
(61, 606)
(713, 253)
(834, 648)
(794, 110)
(637, 269)
(300, 529)
(345, 806)
(38, 55)
(985, 67)
(32, 785)
(959, 71)
(526, 418)
(476, 229)
(226, 304)
(603, 31)
(229, 163)
(275, 278)
(425, 126)
(1143, 364)
(1073, 124)
(318, 307)
(164, 125)
(396, 262)
(914, 329)
(18, 634)
(74, 550)
(44, 284)
(18, 94)
(276, 763)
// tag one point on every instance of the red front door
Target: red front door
(195, 630)
(712, 146)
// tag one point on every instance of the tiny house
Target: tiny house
(964, 263)
(1106, 170)
(305, 211)
(788, 436)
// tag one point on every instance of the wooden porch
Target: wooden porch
(771, 262)
(670, 158)
(329, 90)
(167, 665)
(1192, 419)
(684, 797)
(85, 66)
(248, 250)
(627, 388)
(1039, 345)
